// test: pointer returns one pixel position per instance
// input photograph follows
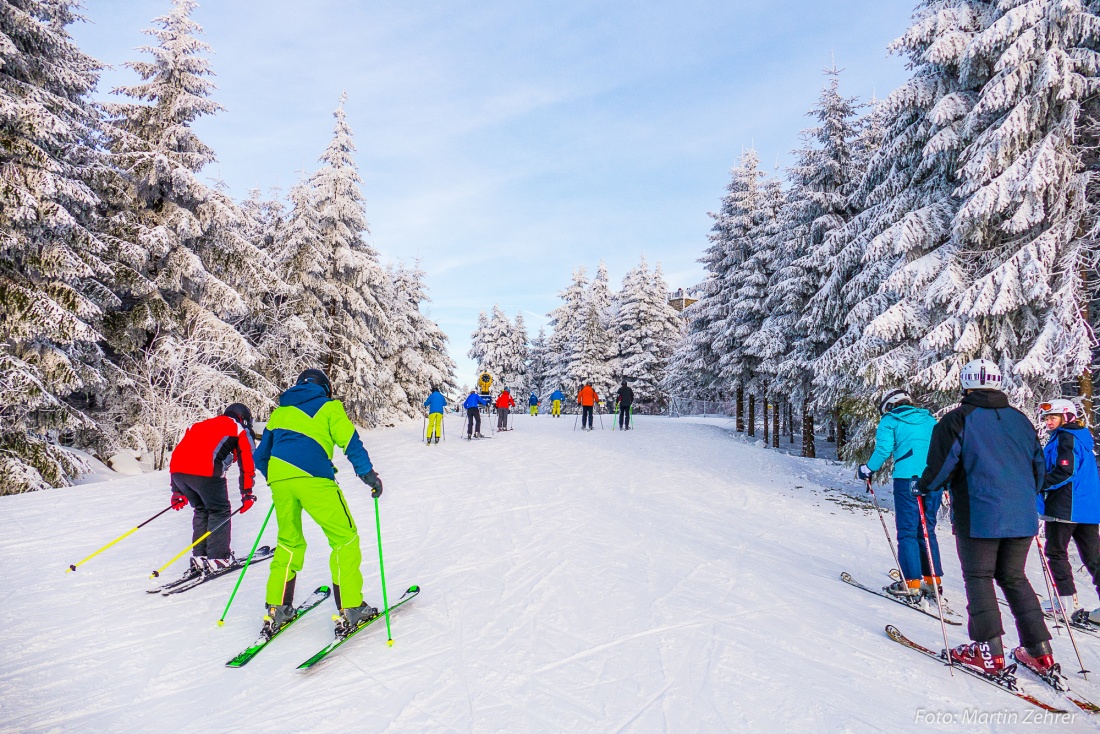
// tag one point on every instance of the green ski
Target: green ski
(247, 654)
(408, 596)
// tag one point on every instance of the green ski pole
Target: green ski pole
(221, 622)
(382, 572)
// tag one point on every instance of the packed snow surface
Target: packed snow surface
(673, 578)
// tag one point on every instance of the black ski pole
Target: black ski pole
(1065, 616)
(889, 540)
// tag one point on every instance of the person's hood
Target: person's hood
(986, 399)
(910, 414)
(1080, 433)
(304, 396)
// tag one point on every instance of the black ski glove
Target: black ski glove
(915, 488)
(372, 480)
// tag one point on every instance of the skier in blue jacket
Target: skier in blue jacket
(1070, 502)
(987, 453)
(533, 404)
(473, 414)
(905, 432)
(436, 404)
(555, 403)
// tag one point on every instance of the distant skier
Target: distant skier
(989, 454)
(905, 432)
(587, 398)
(197, 475)
(533, 404)
(1070, 502)
(624, 398)
(504, 402)
(555, 403)
(436, 404)
(295, 455)
(473, 414)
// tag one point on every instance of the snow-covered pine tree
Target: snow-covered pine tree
(421, 363)
(294, 325)
(823, 180)
(518, 378)
(666, 330)
(208, 275)
(745, 279)
(478, 346)
(538, 365)
(593, 353)
(564, 320)
(1019, 236)
(357, 287)
(909, 191)
(496, 350)
(59, 273)
(648, 330)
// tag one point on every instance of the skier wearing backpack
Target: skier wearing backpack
(533, 404)
(587, 398)
(473, 414)
(555, 403)
(504, 402)
(987, 453)
(197, 475)
(436, 404)
(295, 455)
(624, 398)
(904, 432)
(1070, 503)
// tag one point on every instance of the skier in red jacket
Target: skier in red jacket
(198, 468)
(504, 402)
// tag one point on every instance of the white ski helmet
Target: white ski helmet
(980, 374)
(1059, 406)
(892, 399)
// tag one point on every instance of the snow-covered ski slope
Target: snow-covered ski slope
(674, 578)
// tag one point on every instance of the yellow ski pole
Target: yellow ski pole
(125, 535)
(204, 537)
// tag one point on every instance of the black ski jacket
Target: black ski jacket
(625, 396)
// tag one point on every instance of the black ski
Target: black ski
(320, 655)
(1006, 680)
(314, 599)
(948, 616)
(190, 580)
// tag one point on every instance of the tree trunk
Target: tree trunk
(841, 434)
(767, 436)
(775, 425)
(808, 449)
(740, 409)
(752, 415)
(1084, 382)
(790, 421)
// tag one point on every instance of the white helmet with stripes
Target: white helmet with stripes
(980, 374)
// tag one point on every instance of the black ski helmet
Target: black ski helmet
(315, 377)
(240, 413)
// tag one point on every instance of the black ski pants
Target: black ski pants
(985, 560)
(473, 421)
(1087, 539)
(586, 416)
(210, 498)
(624, 417)
(502, 419)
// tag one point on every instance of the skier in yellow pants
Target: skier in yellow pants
(436, 404)
(295, 454)
(555, 407)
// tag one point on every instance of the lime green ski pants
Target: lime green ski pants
(435, 424)
(322, 499)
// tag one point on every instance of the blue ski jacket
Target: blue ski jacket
(1071, 492)
(904, 432)
(989, 455)
(557, 395)
(436, 402)
(473, 401)
(533, 400)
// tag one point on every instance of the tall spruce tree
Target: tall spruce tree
(565, 320)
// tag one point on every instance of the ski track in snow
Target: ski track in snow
(673, 578)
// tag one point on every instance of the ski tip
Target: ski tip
(414, 589)
(324, 589)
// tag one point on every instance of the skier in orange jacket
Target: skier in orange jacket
(587, 397)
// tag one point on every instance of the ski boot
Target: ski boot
(214, 565)
(349, 619)
(276, 618)
(1084, 616)
(1039, 658)
(478, 435)
(437, 439)
(929, 585)
(986, 657)
(907, 591)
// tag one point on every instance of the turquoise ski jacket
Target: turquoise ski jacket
(905, 432)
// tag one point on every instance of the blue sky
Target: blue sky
(505, 143)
